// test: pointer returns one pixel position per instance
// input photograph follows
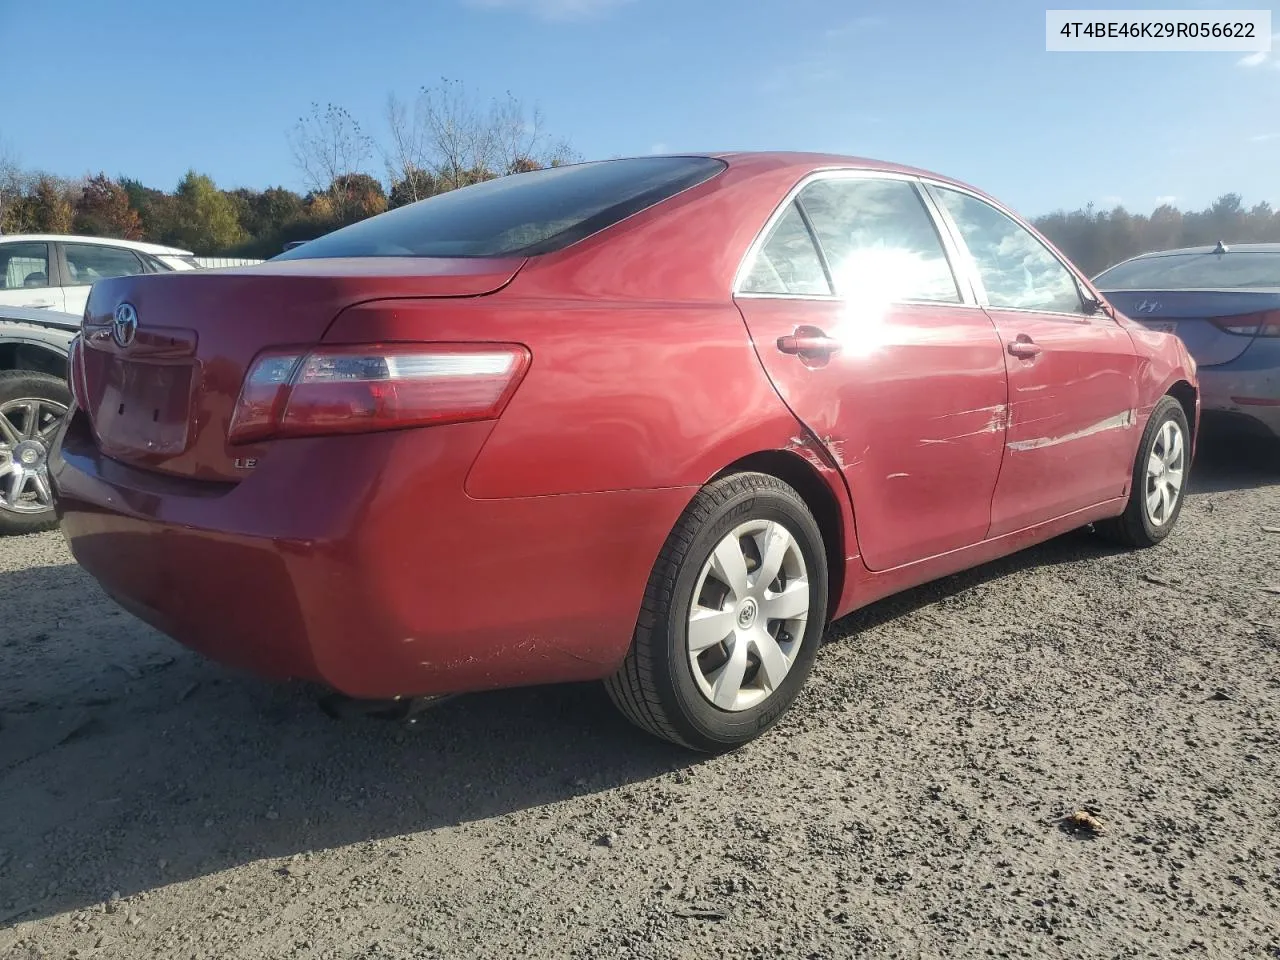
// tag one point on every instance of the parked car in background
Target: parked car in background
(653, 421)
(55, 272)
(1224, 303)
(33, 400)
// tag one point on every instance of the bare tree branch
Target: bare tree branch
(329, 144)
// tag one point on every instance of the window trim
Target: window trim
(975, 275)
(960, 269)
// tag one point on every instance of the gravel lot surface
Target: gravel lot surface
(910, 805)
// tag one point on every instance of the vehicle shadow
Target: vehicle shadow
(127, 763)
(1233, 461)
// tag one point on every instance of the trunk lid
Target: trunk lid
(1189, 314)
(160, 395)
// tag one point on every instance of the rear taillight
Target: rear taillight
(379, 387)
(75, 366)
(1266, 324)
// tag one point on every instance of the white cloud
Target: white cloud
(1167, 199)
(1259, 57)
(1264, 137)
(554, 9)
(1111, 200)
(659, 148)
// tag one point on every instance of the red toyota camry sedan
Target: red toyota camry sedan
(649, 421)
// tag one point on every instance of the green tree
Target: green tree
(205, 219)
(415, 185)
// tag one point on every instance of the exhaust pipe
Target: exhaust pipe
(400, 709)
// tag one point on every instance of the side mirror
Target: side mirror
(1092, 305)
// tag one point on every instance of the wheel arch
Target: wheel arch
(26, 355)
(822, 501)
(1188, 397)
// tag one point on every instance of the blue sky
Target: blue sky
(148, 88)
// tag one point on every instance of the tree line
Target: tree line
(444, 138)
(448, 137)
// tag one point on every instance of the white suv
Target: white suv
(56, 272)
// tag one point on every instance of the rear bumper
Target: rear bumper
(359, 563)
(1246, 388)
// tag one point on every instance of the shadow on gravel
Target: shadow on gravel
(1231, 461)
(146, 765)
(1223, 463)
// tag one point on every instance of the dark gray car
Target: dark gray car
(34, 398)
(1224, 303)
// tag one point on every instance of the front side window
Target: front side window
(24, 265)
(788, 262)
(89, 262)
(880, 241)
(1017, 270)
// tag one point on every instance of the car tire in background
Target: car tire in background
(1159, 485)
(732, 618)
(32, 406)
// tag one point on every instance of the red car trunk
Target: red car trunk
(160, 382)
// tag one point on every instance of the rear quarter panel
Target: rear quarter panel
(618, 396)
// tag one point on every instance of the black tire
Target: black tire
(22, 385)
(1134, 528)
(655, 687)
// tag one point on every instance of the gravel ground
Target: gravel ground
(910, 805)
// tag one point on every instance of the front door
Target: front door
(859, 320)
(1073, 391)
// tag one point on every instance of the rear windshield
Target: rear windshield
(1194, 271)
(522, 214)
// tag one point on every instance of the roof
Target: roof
(815, 161)
(155, 249)
(1231, 248)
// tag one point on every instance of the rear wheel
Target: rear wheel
(32, 406)
(1160, 475)
(732, 617)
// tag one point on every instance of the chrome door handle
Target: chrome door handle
(817, 344)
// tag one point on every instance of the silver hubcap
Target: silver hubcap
(26, 433)
(750, 607)
(1166, 467)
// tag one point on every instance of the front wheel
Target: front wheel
(1160, 474)
(732, 617)
(32, 405)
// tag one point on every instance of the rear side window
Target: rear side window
(880, 240)
(1191, 271)
(518, 215)
(788, 263)
(87, 263)
(24, 265)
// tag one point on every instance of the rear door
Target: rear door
(87, 263)
(885, 357)
(26, 276)
(1073, 384)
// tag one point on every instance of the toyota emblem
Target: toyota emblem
(125, 325)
